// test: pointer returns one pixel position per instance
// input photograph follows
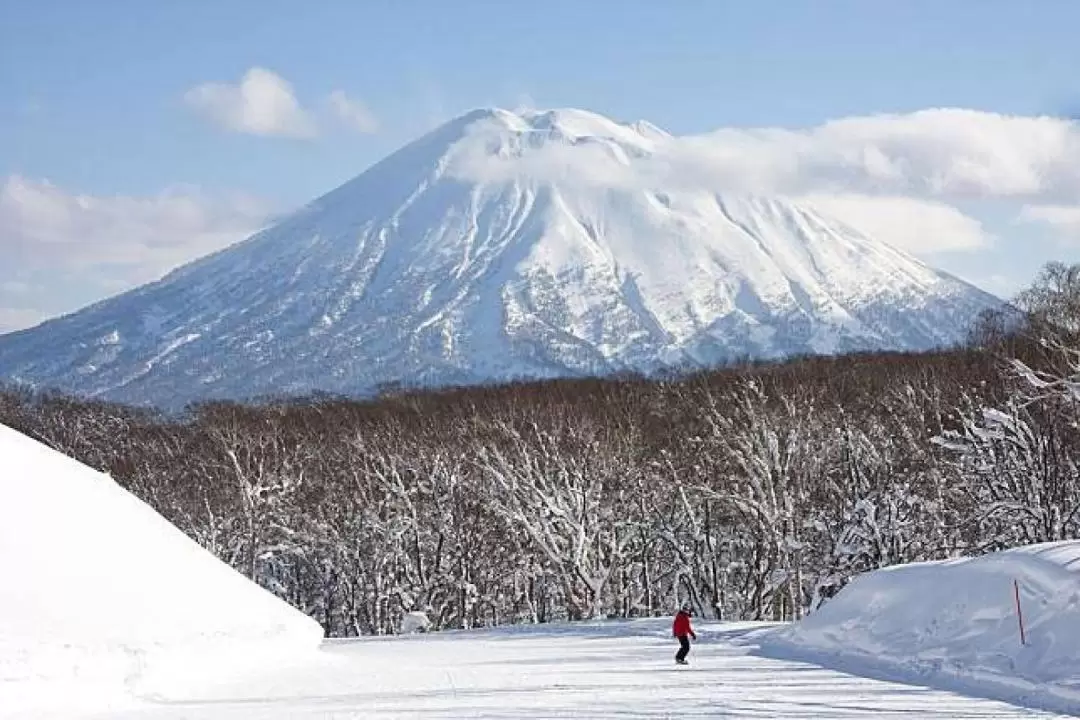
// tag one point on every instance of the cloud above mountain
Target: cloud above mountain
(902, 177)
(266, 104)
(352, 113)
(923, 227)
(947, 153)
(262, 103)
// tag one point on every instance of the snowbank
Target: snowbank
(954, 624)
(101, 598)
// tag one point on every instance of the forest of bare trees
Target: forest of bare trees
(756, 491)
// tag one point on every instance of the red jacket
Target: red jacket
(681, 626)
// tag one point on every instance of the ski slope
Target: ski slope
(607, 669)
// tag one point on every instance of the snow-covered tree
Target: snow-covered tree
(567, 494)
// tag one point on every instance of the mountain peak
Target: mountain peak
(565, 123)
(576, 123)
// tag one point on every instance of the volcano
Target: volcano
(500, 246)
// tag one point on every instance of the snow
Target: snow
(101, 597)
(954, 624)
(498, 246)
(603, 669)
(414, 622)
(107, 611)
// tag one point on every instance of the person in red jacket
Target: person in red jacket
(682, 630)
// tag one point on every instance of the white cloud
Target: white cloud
(42, 223)
(919, 226)
(900, 177)
(944, 153)
(947, 152)
(941, 153)
(62, 249)
(353, 113)
(263, 103)
(1063, 219)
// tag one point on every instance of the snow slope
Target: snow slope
(499, 246)
(954, 624)
(100, 596)
(584, 670)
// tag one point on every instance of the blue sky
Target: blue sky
(100, 136)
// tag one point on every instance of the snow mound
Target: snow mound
(954, 623)
(101, 598)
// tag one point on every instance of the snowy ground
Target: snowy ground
(107, 611)
(954, 623)
(611, 669)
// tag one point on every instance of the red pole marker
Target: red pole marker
(1019, 612)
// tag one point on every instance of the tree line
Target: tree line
(755, 491)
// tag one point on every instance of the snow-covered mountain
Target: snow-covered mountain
(500, 245)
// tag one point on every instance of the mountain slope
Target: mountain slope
(500, 245)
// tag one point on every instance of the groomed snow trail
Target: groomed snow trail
(595, 670)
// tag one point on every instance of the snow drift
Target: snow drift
(101, 596)
(954, 623)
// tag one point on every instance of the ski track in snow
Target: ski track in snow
(607, 669)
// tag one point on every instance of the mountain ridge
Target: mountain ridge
(499, 246)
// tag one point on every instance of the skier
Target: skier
(681, 629)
